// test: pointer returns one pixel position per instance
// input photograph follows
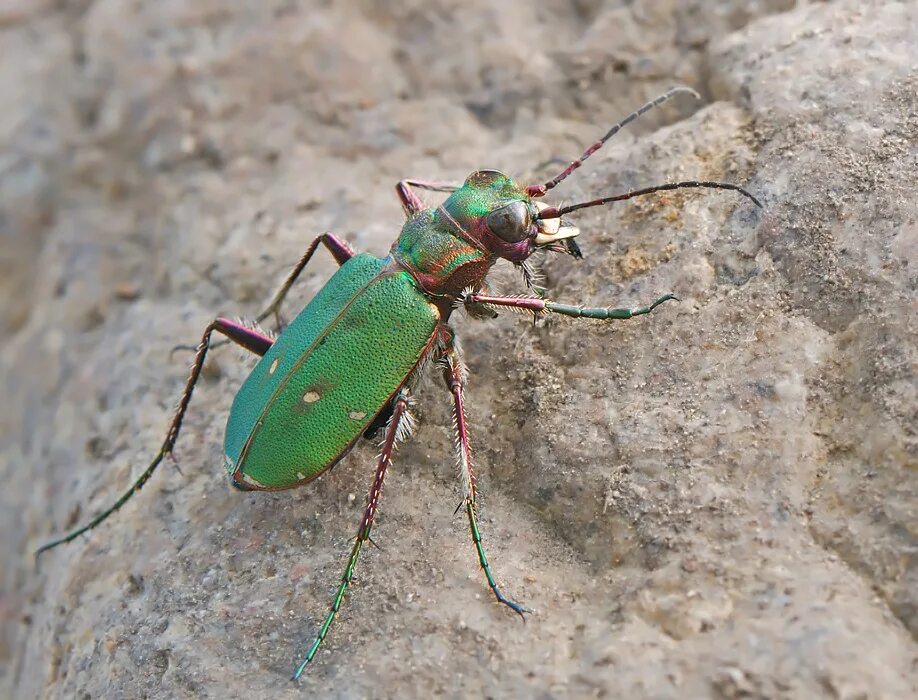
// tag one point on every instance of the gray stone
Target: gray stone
(717, 500)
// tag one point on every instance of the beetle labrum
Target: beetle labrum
(301, 409)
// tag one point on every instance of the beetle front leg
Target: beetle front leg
(411, 202)
(454, 373)
(477, 310)
(246, 337)
(399, 427)
(536, 306)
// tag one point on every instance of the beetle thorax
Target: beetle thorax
(438, 257)
(451, 248)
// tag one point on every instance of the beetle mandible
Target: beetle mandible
(303, 408)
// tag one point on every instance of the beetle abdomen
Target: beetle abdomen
(325, 378)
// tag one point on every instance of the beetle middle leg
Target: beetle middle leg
(411, 202)
(454, 373)
(399, 427)
(248, 338)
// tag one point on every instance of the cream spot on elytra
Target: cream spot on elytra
(252, 482)
(310, 397)
(273, 368)
(357, 415)
(300, 476)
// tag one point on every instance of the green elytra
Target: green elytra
(347, 364)
(307, 400)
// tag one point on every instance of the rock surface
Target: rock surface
(718, 500)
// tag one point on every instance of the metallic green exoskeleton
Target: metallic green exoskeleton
(327, 376)
(347, 364)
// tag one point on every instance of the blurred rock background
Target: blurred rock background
(717, 501)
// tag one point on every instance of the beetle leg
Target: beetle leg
(398, 429)
(475, 310)
(340, 250)
(246, 337)
(454, 373)
(537, 306)
(411, 202)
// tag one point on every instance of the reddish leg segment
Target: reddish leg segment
(399, 427)
(411, 202)
(454, 373)
(247, 338)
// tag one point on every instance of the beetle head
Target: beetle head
(503, 219)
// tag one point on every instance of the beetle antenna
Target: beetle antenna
(555, 212)
(540, 190)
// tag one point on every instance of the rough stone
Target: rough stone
(717, 500)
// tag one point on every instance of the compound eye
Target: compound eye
(510, 222)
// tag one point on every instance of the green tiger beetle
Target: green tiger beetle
(305, 404)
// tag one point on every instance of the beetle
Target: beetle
(304, 406)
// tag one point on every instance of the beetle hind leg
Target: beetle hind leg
(398, 428)
(246, 337)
